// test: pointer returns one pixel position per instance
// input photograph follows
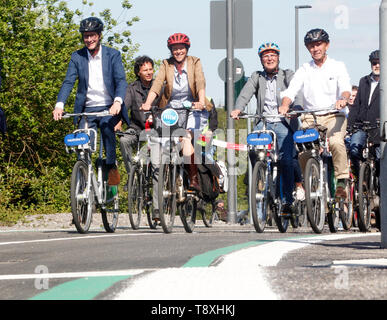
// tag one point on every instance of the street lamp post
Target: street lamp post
(296, 35)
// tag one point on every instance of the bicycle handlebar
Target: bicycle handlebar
(105, 113)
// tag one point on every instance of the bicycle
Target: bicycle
(87, 187)
(319, 177)
(265, 188)
(368, 182)
(173, 180)
(140, 184)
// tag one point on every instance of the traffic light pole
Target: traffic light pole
(232, 194)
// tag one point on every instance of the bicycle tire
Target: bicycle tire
(364, 197)
(167, 196)
(110, 210)
(314, 196)
(259, 196)
(134, 198)
(81, 207)
(188, 214)
(213, 216)
(149, 197)
(346, 210)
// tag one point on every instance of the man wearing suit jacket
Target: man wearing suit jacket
(266, 86)
(366, 108)
(101, 86)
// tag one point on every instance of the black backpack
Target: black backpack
(209, 181)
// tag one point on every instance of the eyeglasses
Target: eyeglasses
(91, 36)
(268, 56)
(374, 63)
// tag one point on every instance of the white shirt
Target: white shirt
(97, 93)
(322, 86)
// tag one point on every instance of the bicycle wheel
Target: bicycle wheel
(346, 207)
(364, 197)
(110, 210)
(188, 214)
(167, 196)
(148, 194)
(314, 196)
(81, 203)
(134, 198)
(209, 214)
(259, 196)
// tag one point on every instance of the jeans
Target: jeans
(106, 125)
(287, 156)
(356, 146)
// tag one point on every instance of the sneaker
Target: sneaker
(113, 177)
(300, 194)
(341, 189)
(156, 215)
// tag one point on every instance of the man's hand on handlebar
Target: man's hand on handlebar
(57, 114)
(235, 114)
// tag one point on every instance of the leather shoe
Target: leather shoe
(341, 189)
(113, 177)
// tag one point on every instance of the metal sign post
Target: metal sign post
(383, 120)
(232, 194)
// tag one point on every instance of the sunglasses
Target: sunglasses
(374, 63)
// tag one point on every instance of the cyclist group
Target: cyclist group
(321, 83)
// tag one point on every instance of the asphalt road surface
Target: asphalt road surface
(225, 262)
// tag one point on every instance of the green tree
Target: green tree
(37, 38)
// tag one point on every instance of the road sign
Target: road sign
(243, 24)
(238, 70)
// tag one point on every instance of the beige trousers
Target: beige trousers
(337, 126)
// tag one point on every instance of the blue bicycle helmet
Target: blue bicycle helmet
(268, 46)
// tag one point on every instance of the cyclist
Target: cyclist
(266, 86)
(366, 108)
(324, 82)
(99, 88)
(183, 80)
(136, 95)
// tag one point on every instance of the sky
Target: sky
(353, 27)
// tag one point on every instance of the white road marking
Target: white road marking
(372, 263)
(73, 274)
(239, 275)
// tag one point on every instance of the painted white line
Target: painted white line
(372, 263)
(238, 276)
(268, 255)
(72, 238)
(129, 272)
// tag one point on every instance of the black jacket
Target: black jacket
(361, 111)
(136, 95)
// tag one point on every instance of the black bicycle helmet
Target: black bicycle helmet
(91, 24)
(316, 35)
(374, 55)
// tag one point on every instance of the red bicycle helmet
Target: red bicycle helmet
(178, 38)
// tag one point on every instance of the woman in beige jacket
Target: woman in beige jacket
(181, 79)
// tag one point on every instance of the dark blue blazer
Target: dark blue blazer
(113, 75)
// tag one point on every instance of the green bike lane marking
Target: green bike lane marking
(89, 288)
(80, 289)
